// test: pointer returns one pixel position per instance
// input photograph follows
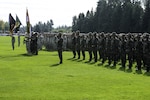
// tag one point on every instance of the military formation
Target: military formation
(113, 48)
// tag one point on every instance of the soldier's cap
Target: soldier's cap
(35, 33)
(73, 33)
(114, 33)
(78, 31)
(102, 34)
(138, 36)
(90, 33)
(147, 35)
(129, 34)
(59, 34)
(95, 33)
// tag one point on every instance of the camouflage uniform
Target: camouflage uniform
(74, 45)
(147, 53)
(90, 46)
(123, 51)
(108, 48)
(114, 48)
(94, 46)
(139, 52)
(83, 46)
(60, 47)
(102, 48)
(78, 44)
(130, 47)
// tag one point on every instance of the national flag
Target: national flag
(28, 23)
(11, 23)
(17, 24)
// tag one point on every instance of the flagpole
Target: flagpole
(28, 32)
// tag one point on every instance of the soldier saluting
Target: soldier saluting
(59, 47)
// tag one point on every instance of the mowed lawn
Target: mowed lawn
(39, 77)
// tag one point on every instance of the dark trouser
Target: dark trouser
(32, 47)
(83, 54)
(139, 62)
(147, 61)
(60, 55)
(95, 54)
(123, 60)
(130, 58)
(36, 49)
(74, 52)
(13, 46)
(144, 60)
(99, 52)
(114, 58)
(109, 58)
(103, 57)
(90, 55)
(78, 52)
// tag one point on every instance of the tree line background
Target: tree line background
(109, 16)
(115, 16)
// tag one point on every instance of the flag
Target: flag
(11, 23)
(28, 23)
(17, 24)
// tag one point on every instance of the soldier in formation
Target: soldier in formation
(78, 43)
(73, 37)
(83, 45)
(113, 47)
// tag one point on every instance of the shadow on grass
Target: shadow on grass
(91, 63)
(70, 58)
(25, 54)
(69, 75)
(112, 67)
(20, 55)
(74, 59)
(87, 62)
(147, 73)
(54, 65)
(129, 70)
(100, 64)
(138, 71)
(122, 69)
(79, 60)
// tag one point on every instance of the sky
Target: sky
(60, 11)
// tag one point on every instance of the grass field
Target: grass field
(39, 77)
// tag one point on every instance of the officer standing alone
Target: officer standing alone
(59, 47)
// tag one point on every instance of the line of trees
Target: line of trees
(115, 15)
(43, 27)
(4, 26)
